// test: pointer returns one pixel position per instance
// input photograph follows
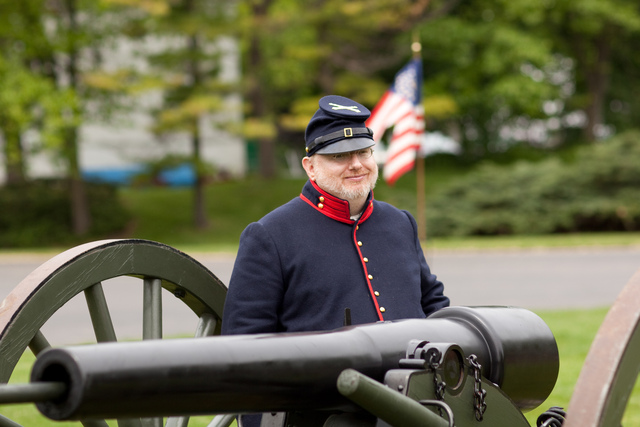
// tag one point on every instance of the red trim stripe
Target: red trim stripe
(366, 276)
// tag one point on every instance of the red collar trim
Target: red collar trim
(335, 208)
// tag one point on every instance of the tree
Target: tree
(493, 70)
(596, 34)
(60, 41)
(187, 72)
(296, 52)
(21, 90)
(256, 90)
(531, 72)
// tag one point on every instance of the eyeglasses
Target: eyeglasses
(364, 154)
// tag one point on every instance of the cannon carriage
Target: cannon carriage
(463, 366)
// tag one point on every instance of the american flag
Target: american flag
(400, 107)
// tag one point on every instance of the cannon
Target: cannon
(462, 366)
(298, 372)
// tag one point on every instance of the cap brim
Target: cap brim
(346, 145)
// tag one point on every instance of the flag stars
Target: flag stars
(406, 85)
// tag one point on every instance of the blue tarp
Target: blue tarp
(179, 176)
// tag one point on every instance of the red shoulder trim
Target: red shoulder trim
(327, 212)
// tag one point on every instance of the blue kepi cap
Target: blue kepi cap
(338, 127)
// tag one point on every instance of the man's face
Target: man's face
(349, 176)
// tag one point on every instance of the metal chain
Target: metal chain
(479, 393)
(438, 385)
(553, 417)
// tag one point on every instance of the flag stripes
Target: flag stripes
(401, 108)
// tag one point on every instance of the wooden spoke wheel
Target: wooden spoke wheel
(612, 365)
(83, 269)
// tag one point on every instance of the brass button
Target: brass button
(365, 259)
(320, 205)
(359, 243)
(357, 227)
(370, 277)
(376, 293)
(382, 310)
(321, 199)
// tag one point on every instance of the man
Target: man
(333, 255)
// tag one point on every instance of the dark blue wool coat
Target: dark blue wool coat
(303, 264)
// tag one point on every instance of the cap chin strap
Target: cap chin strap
(344, 133)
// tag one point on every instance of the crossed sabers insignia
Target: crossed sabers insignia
(353, 108)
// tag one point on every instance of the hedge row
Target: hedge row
(599, 190)
(38, 213)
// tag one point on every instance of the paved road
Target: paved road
(534, 279)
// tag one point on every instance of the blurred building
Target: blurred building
(119, 150)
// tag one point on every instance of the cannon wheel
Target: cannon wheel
(83, 269)
(612, 365)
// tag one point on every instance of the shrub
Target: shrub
(599, 190)
(38, 213)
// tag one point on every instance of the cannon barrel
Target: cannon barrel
(292, 371)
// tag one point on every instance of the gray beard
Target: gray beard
(349, 195)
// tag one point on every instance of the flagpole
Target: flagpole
(416, 47)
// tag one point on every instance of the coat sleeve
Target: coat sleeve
(256, 286)
(433, 298)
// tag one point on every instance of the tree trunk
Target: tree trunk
(597, 76)
(14, 155)
(199, 205)
(593, 55)
(80, 213)
(256, 96)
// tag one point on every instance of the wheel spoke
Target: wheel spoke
(130, 422)
(152, 317)
(224, 420)
(177, 422)
(94, 423)
(151, 422)
(206, 325)
(99, 312)
(152, 324)
(38, 343)
(6, 422)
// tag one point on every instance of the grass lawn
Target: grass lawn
(574, 331)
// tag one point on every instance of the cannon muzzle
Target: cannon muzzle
(286, 372)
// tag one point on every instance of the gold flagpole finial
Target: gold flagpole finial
(416, 46)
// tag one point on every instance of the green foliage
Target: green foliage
(38, 213)
(597, 191)
(188, 69)
(29, 101)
